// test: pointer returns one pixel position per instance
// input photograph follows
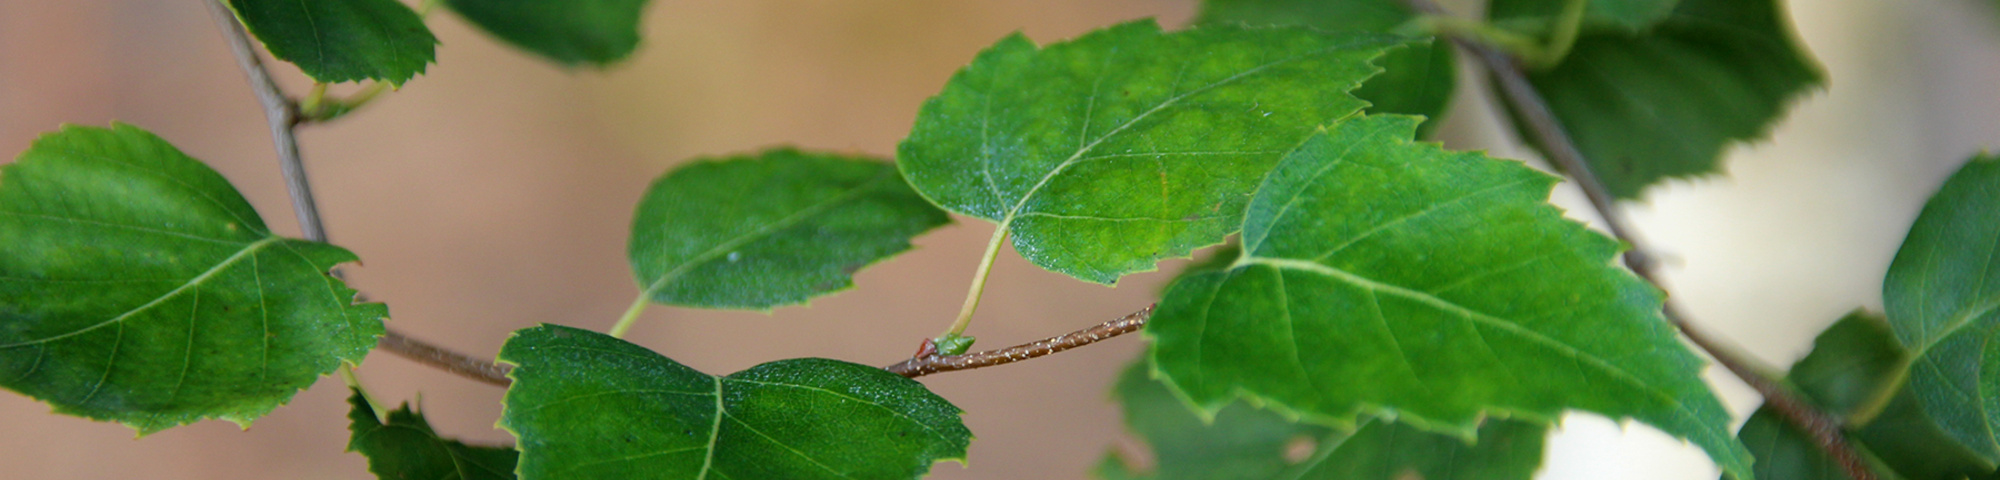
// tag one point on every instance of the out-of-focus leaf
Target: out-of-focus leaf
(1105, 154)
(1417, 80)
(1664, 103)
(570, 32)
(1385, 278)
(405, 448)
(137, 286)
(771, 229)
(1943, 299)
(342, 40)
(588, 406)
(1538, 16)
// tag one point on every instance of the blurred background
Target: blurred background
(495, 193)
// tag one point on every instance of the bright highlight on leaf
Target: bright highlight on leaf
(588, 406)
(1661, 104)
(1104, 154)
(137, 286)
(570, 32)
(342, 40)
(1415, 80)
(1385, 278)
(773, 229)
(405, 448)
(1247, 443)
(1943, 299)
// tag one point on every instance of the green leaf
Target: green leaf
(342, 40)
(137, 286)
(1104, 154)
(585, 405)
(570, 32)
(1665, 103)
(405, 448)
(1855, 370)
(1417, 80)
(775, 228)
(1244, 442)
(1537, 16)
(1385, 278)
(1943, 299)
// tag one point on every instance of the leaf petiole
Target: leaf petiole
(631, 315)
(354, 383)
(953, 335)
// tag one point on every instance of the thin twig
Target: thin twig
(283, 116)
(1548, 131)
(447, 360)
(926, 364)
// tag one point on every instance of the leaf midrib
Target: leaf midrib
(761, 232)
(246, 251)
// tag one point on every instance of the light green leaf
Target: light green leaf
(1104, 154)
(1385, 278)
(1417, 80)
(1665, 103)
(137, 286)
(588, 406)
(771, 229)
(342, 40)
(406, 448)
(1537, 16)
(570, 32)
(1943, 299)
(1246, 443)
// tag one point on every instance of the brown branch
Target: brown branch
(1535, 115)
(929, 363)
(283, 115)
(447, 360)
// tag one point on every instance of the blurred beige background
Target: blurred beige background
(494, 193)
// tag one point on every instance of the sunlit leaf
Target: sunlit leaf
(137, 286)
(588, 406)
(1417, 80)
(1385, 278)
(1665, 103)
(342, 40)
(570, 32)
(405, 448)
(776, 228)
(1943, 299)
(1104, 154)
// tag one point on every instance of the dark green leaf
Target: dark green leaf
(1104, 154)
(570, 32)
(1385, 278)
(1538, 16)
(342, 40)
(137, 286)
(1855, 370)
(1244, 442)
(1417, 80)
(1943, 298)
(777, 228)
(406, 448)
(586, 406)
(1665, 103)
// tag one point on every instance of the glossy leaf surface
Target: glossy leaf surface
(1415, 80)
(588, 406)
(1104, 154)
(1644, 108)
(1385, 278)
(1943, 299)
(137, 286)
(1247, 443)
(771, 229)
(342, 40)
(569, 32)
(405, 448)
